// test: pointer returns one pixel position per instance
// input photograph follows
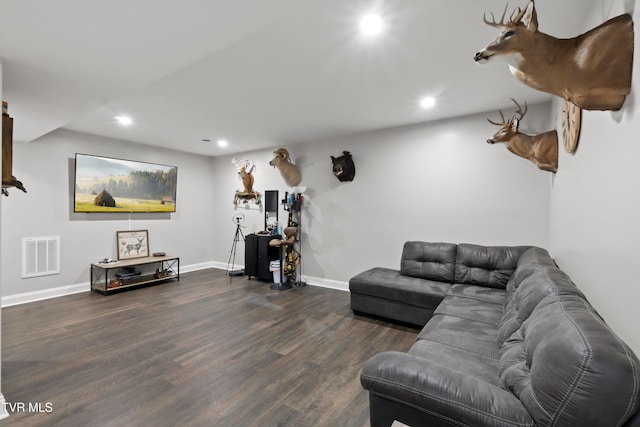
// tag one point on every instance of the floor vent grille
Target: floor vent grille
(40, 256)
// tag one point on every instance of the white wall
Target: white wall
(595, 206)
(45, 166)
(3, 411)
(434, 181)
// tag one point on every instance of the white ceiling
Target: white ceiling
(257, 73)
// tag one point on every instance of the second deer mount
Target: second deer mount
(541, 149)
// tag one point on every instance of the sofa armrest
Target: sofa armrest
(441, 392)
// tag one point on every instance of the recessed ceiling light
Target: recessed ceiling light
(371, 24)
(427, 102)
(222, 143)
(124, 120)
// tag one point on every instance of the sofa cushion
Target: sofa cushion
(568, 368)
(484, 368)
(471, 309)
(533, 289)
(431, 261)
(474, 337)
(529, 262)
(478, 293)
(490, 266)
(390, 284)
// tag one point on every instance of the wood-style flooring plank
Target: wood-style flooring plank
(205, 351)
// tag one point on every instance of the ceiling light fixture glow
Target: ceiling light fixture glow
(371, 24)
(427, 102)
(222, 143)
(124, 120)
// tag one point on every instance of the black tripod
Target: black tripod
(232, 255)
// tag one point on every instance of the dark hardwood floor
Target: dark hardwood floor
(199, 352)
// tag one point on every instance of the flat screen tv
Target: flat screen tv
(104, 184)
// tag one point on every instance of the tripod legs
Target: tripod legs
(232, 255)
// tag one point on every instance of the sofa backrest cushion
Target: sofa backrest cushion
(530, 261)
(568, 368)
(431, 261)
(490, 266)
(541, 282)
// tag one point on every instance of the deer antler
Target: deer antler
(495, 24)
(249, 166)
(240, 164)
(519, 110)
(519, 16)
(504, 122)
(518, 13)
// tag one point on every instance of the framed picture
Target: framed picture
(133, 244)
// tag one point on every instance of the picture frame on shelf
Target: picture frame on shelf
(132, 244)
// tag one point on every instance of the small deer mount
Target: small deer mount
(593, 70)
(245, 170)
(343, 167)
(540, 149)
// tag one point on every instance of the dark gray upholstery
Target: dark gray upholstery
(530, 291)
(524, 349)
(410, 299)
(486, 265)
(567, 367)
(432, 261)
(412, 293)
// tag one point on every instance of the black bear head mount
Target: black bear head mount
(343, 167)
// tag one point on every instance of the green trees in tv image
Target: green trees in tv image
(141, 191)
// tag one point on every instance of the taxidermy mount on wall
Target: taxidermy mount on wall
(288, 170)
(245, 170)
(343, 167)
(592, 70)
(540, 149)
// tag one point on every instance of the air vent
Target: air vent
(40, 256)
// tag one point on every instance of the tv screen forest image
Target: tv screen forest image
(104, 184)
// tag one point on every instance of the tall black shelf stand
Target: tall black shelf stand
(292, 268)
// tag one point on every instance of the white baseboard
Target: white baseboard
(199, 266)
(223, 266)
(327, 283)
(23, 298)
(60, 291)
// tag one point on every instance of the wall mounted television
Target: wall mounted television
(105, 184)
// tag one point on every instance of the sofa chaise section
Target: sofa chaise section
(412, 293)
(410, 299)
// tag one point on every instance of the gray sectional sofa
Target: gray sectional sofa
(507, 339)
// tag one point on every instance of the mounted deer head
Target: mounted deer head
(245, 169)
(593, 70)
(541, 149)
